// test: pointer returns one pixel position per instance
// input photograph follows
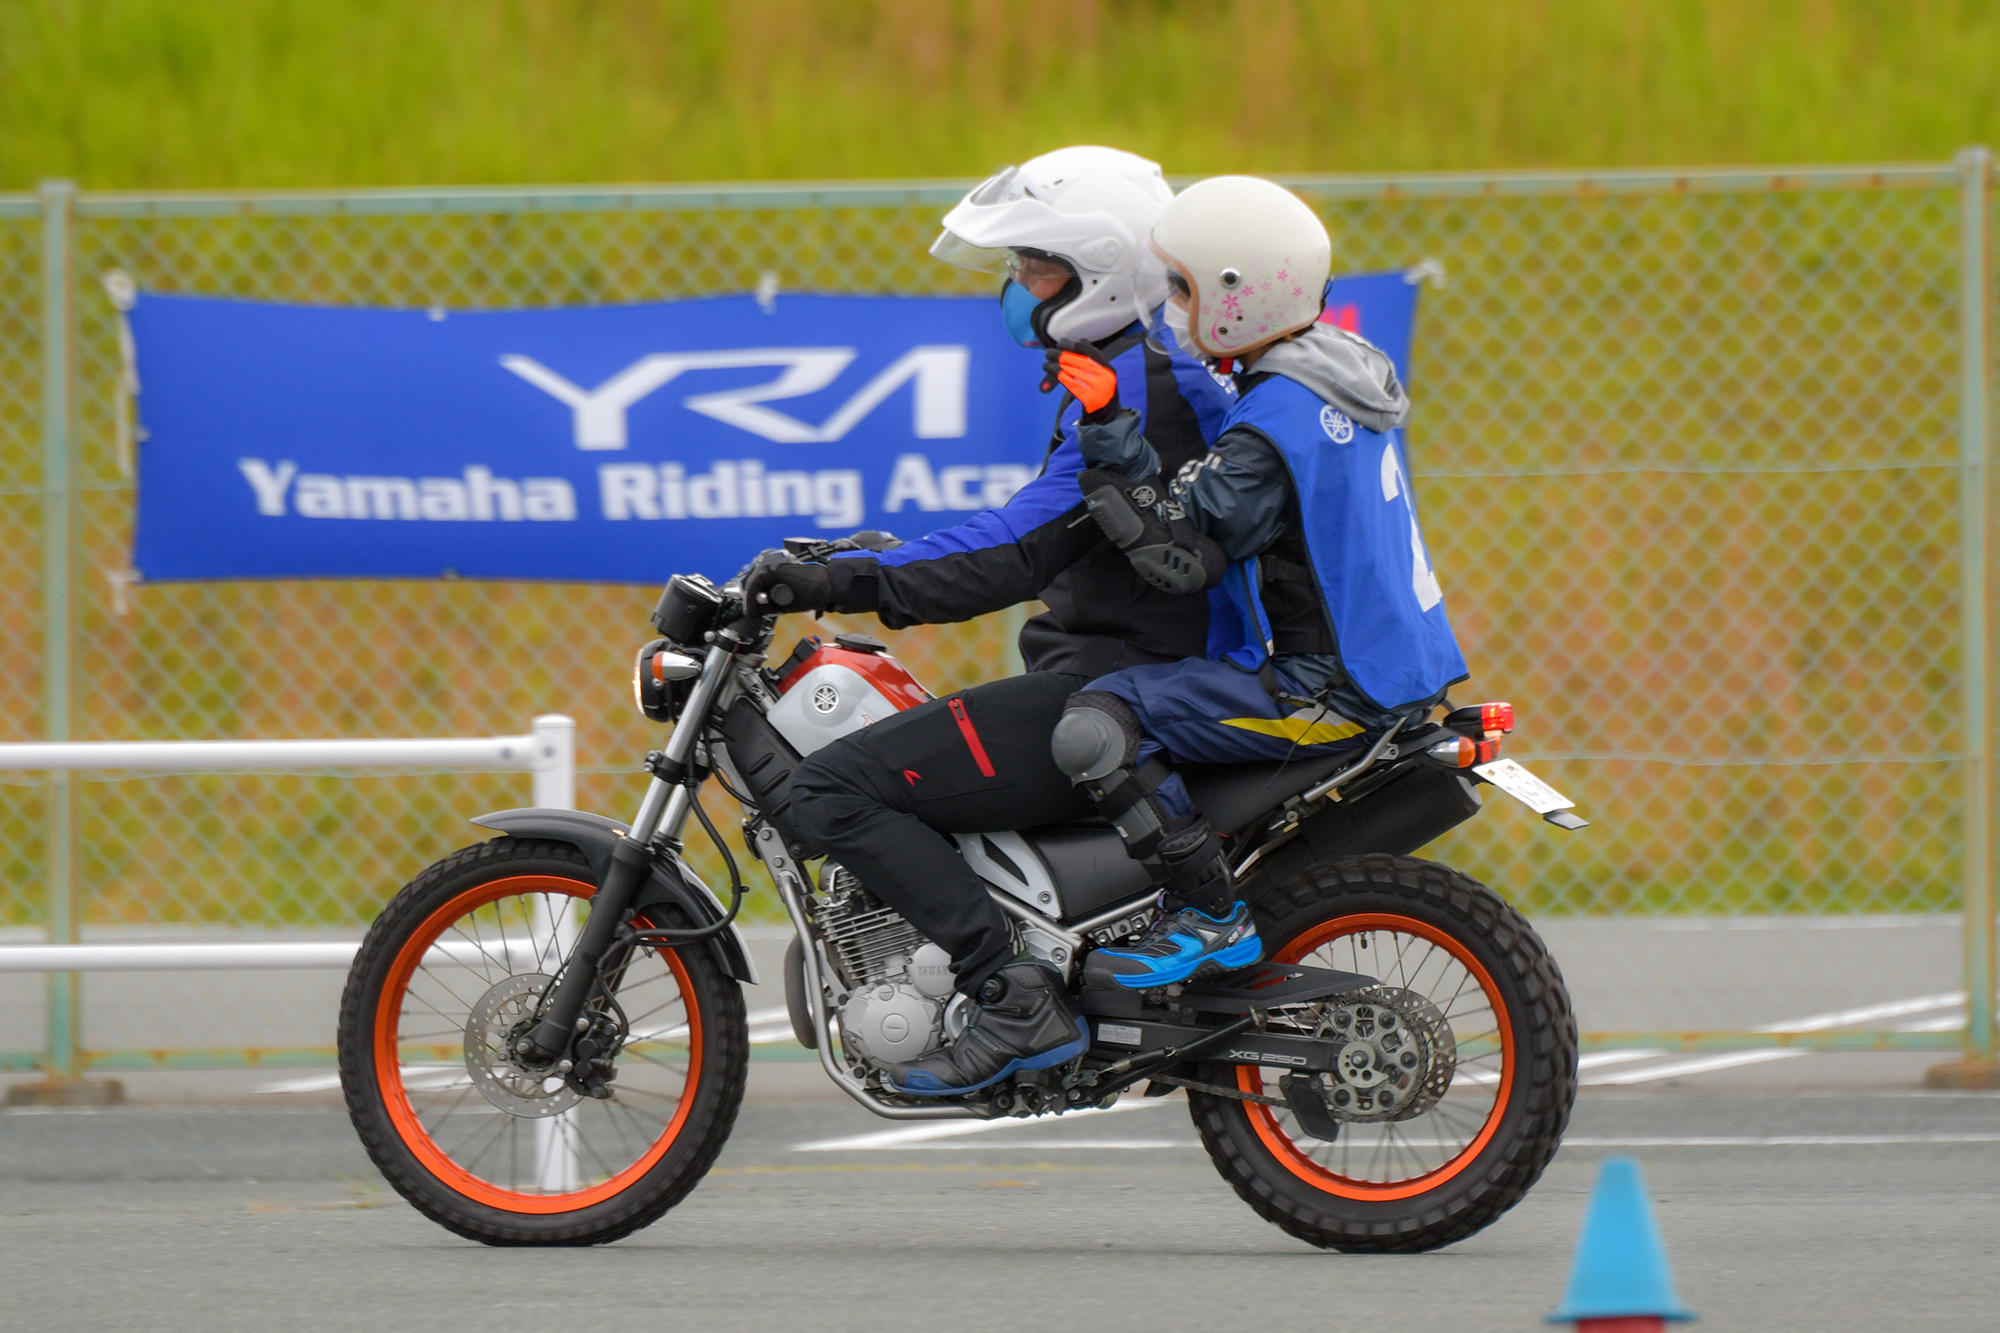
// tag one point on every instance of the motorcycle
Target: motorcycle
(543, 1037)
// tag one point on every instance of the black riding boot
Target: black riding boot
(1022, 1019)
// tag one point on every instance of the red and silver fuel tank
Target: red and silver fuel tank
(828, 690)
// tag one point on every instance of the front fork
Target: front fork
(668, 802)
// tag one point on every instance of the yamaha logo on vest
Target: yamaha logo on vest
(1338, 428)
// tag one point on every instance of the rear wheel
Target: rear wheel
(449, 977)
(1456, 1076)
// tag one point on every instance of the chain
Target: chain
(1217, 1090)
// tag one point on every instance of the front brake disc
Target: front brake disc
(489, 1036)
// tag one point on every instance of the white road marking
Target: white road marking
(1701, 1064)
(1573, 1141)
(1838, 1018)
(1867, 1013)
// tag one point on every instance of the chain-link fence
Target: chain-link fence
(1692, 452)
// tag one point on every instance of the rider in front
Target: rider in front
(1327, 623)
(1069, 231)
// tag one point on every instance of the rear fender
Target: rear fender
(1401, 815)
(670, 883)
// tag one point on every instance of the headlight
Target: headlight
(660, 679)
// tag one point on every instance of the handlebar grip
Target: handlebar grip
(781, 595)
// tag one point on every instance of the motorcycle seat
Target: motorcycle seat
(1234, 795)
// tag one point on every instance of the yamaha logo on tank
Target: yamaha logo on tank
(825, 698)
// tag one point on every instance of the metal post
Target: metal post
(555, 762)
(58, 504)
(558, 1169)
(1975, 235)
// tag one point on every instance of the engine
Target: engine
(899, 1003)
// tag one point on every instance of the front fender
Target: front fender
(670, 883)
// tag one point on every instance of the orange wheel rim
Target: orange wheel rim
(396, 1094)
(1250, 1079)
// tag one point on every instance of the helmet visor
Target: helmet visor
(1041, 273)
(956, 250)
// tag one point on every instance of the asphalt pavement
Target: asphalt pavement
(1823, 1211)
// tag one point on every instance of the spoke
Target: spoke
(1401, 943)
(447, 1113)
(677, 1000)
(456, 997)
(479, 939)
(478, 1128)
(1449, 1115)
(1380, 1142)
(514, 1154)
(631, 1114)
(478, 942)
(492, 1142)
(1398, 1145)
(412, 995)
(680, 1069)
(500, 920)
(1446, 1007)
(575, 1132)
(675, 1098)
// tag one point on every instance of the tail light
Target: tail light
(1489, 719)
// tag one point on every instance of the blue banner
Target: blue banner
(600, 444)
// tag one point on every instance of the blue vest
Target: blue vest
(1382, 600)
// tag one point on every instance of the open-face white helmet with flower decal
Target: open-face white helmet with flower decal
(1247, 262)
(1068, 229)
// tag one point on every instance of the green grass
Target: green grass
(201, 93)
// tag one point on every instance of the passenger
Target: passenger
(1327, 623)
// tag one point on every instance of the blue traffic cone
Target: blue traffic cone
(1620, 1280)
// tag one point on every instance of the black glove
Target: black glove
(1153, 530)
(779, 581)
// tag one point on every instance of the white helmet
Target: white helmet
(1089, 207)
(1253, 257)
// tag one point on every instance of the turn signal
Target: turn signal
(1459, 753)
(1464, 752)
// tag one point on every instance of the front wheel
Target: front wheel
(1456, 1073)
(449, 978)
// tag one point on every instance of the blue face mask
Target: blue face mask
(1017, 311)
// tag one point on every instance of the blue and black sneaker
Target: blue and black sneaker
(1181, 943)
(1022, 1020)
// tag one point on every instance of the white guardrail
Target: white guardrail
(548, 751)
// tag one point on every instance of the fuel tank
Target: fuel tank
(827, 690)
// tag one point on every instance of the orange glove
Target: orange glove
(1094, 383)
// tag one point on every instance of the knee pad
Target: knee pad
(1097, 735)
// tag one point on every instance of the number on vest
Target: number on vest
(1394, 484)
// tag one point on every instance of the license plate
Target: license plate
(1523, 786)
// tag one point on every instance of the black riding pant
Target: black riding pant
(880, 801)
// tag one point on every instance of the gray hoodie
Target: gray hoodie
(1346, 370)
